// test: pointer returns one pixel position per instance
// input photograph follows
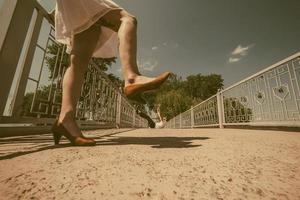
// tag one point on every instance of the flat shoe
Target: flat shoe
(135, 89)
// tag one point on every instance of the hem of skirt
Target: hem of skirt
(92, 21)
(66, 39)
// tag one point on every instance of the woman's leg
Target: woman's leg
(83, 46)
(126, 26)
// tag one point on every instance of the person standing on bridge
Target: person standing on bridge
(162, 121)
(95, 28)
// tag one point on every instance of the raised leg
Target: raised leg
(126, 26)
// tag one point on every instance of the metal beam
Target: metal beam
(21, 85)
(12, 47)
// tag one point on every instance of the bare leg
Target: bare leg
(83, 46)
(126, 26)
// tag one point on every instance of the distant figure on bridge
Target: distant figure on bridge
(95, 28)
(162, 121)
(151, 123)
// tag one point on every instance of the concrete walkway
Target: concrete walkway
(154, 164)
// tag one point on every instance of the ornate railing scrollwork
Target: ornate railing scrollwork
(268, 98)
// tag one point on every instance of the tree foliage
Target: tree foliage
(177, 95)
(203, 87)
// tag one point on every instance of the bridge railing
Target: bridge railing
(270, 97)
(32, 65)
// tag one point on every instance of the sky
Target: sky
(234, 38)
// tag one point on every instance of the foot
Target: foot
(58, 130)
(141, 84)
(69, 123)
(139, 80)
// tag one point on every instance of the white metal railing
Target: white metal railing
(270, 97)
(32, 65)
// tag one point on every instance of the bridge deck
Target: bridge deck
(155, 164)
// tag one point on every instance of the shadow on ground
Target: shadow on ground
(19, 146)
(11, 147)
(154, 142)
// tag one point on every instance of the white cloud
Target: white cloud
(147, 65)
(233, 60)
(242, 51)
(239, 52)
(154, 48)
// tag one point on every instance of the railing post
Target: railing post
(174, 123)
(119, 110)
(180, 121)
(192, 117)
(134, 116)
(220, 108)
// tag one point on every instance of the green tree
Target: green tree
(177, 95)
(203, 87)
(116, 80)
(173, 102)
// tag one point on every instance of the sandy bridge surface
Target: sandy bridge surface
(154, 164)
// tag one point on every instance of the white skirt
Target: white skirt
(75, 16)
